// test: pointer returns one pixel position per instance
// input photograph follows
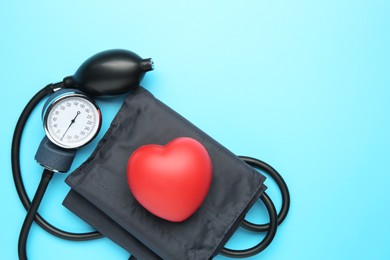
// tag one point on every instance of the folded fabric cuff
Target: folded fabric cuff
(101, 196)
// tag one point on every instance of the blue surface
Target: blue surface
(303, 85)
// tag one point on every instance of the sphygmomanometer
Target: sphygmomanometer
(183, 207)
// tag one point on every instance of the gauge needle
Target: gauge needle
(71, 123)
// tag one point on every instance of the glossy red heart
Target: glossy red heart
(170, 181)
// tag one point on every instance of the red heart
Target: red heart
(170, 181)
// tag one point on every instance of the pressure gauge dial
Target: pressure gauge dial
(71, 119)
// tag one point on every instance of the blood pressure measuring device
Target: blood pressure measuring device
(72, 119)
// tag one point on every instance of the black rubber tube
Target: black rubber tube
(275, 219)
(263, 166)
(29, 219)
(267, 239)
(17, 176)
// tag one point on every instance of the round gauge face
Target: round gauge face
(72, 121)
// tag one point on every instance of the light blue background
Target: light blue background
(303, 85)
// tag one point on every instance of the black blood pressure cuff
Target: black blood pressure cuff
(100, 194)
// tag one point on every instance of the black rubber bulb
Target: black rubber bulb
(111, 72)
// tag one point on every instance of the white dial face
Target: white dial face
(72, 122)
